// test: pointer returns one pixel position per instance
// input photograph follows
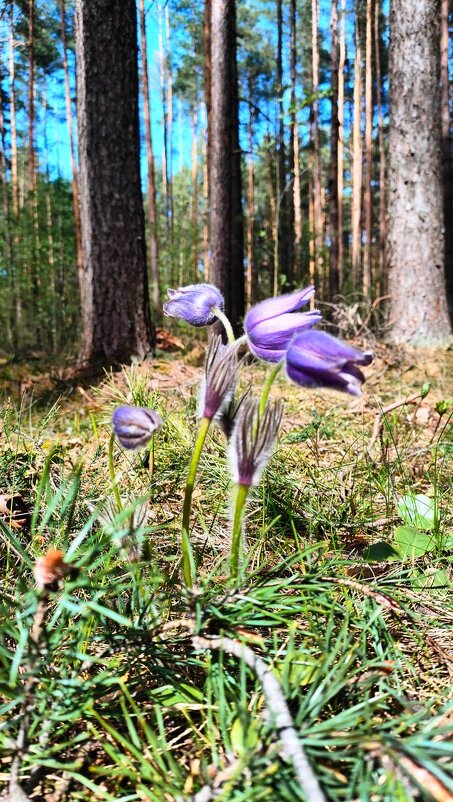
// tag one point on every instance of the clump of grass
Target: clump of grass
(131, 692)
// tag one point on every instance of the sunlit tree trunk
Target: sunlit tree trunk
(75, 180)
(152, 211)
(416, 242)
(204, 157)
(195, 189)
(447, 154)
(6, 245)
(368, 203)
(357, 164)
(334, 282)
(163, 90)
(297, 213)
(169, 71)
(115, 300)
(251, 276)
(382, 259)
(227, 270)
(317, 191)
(12, 112)
(31, 97)
(340, 181)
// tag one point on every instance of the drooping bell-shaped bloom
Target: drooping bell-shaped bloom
(134, 426)
(271, 324)
(218, 382)
(252, 441)
(316, 359)
(194, 304)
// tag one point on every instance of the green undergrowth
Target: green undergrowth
(352, 614)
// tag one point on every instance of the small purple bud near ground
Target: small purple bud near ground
(194, 304)
(134, 426)
(316, 359)
(252, 441)
(271, 324)
(217, 385)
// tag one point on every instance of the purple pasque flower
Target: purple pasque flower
(134, 426)
(316, 359)
(271, 324)
(218, 382)
(252, 440)
(194, 304)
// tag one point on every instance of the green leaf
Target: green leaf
(381, 551)
(418, 511)
(432, 579)
(413, 543)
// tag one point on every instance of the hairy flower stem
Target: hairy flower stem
(271, 376)
(226, 324)
(240, 493)
(151, 460)
(116, 492)
(188, 562)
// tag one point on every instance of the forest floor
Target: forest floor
(346, 596)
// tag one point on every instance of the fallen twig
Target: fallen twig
(276, 703)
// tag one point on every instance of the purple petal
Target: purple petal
(194, 303)
(324, 346)
(316, 359)
(273, 307)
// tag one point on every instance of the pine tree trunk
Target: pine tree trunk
(12, 111)
(75, 179)
(382, 257)
(195, 189)
(163, 90)
(297, 206)
(447, 151)
(204, 157)
(169, 70)
(340, 182)
(418, 307)
(227, 271)
(31, 96)
(334, 283)
(357, 165)
(368, 203)
(152, 211)
(250, 288)
(115, 301)
(317, 192)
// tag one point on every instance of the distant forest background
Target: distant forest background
(313, 113)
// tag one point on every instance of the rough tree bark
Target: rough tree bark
(316, 149)
(115, 301)
(368, 204)
(227, 264)
(297, 204)
(447, 155)
(418, 306)
(334, 281)
(357, 163)
(340, 182)
(75, 179)
(152, 211)
(382, 259)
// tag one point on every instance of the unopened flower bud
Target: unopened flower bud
(194, 304)
(252, 441)
(217, 385)
(134, 426)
